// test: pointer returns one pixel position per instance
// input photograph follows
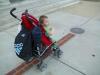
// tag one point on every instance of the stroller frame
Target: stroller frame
(41, 66)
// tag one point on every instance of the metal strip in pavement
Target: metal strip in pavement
(26, 65)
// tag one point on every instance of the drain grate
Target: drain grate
(77, 30)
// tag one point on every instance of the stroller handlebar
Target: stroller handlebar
(12, 14)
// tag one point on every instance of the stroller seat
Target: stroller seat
(41, 41)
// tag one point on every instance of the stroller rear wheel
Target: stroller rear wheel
(42, 66)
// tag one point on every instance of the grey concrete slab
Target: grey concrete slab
(61, 28)
(93, 26)
(54, 68)
(13, 31)
(63, 22)
(84, 8)
(34, 8)
(8, 58)
(82, 52)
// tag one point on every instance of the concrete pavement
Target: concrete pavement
(81, 54)
(35, 7)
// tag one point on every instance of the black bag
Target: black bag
(23, 44)
(37, 35)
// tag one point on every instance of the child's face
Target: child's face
(45, 21)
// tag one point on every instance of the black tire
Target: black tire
(42, 67)
(58, 53)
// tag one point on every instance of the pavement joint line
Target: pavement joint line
(54, 9)
(83, 23)
(59, 8)
(87, 21)
(11, 19)
(7, 28)
(10, 34)
(70, 66)
(26, 65)
(24, 3)
(34, 7)
(22, 10)
(94, 34)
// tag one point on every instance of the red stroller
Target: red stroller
(31, 42)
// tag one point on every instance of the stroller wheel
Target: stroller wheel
(42, 66)
(58, 53)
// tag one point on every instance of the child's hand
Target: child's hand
(51, 31)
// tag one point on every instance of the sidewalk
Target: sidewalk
(81, 54)
(35, 7)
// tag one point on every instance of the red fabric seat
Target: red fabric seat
(45, 40)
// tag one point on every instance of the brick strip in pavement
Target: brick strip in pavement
(26, 65)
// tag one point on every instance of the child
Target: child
(43, 20)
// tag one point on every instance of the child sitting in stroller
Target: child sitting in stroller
(34, 39)
(43, 20)
(41, 26)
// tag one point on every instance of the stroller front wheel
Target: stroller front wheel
(58, 53)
